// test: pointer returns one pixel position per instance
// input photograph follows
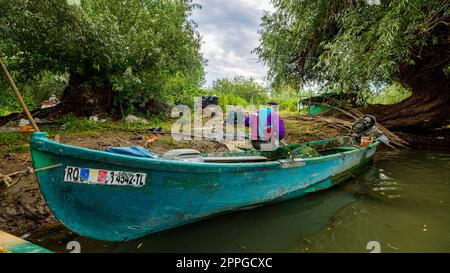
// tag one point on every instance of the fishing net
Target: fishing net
(304, 152)
(283, 152)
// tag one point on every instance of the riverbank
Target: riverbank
(23, 211)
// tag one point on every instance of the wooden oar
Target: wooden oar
(16, 91)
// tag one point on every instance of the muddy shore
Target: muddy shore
(23, 210)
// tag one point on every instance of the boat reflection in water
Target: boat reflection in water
(400, 201)
(116, 197)
(281, 227)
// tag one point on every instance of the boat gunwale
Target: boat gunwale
(40, 142)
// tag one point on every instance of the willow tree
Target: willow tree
(119, 54)
(355, 46)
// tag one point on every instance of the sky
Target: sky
(229, 30)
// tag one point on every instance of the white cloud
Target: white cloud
(260, 4)
(229, 32)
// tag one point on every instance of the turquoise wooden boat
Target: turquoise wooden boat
(12, 244)
(117, 197)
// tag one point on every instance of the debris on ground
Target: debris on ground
(132, 118)
(22, 207)
(7, 179)
(96, 119)
(23, 210)
(352, 115)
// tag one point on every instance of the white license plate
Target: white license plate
(103, 177)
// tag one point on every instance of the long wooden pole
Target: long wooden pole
(16, 91)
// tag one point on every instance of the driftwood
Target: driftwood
(354, 114)
(7, 179)
(391, 136)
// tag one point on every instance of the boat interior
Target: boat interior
(304, 150)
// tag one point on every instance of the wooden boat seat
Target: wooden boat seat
(235, 159)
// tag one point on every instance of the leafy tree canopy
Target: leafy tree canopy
(247, 89)
(137, 48)
(350, 45)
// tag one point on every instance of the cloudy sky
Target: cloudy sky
(229, 30)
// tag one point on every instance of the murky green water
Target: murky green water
(402, 201)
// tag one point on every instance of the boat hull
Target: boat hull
(175, 193)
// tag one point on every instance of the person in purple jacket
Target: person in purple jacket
(262, 129)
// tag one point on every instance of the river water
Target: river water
(399, 203)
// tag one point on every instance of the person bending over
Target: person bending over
(266, 124)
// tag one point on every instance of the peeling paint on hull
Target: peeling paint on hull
(175, 193)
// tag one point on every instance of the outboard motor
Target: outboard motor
(364, 129)
(362, 126)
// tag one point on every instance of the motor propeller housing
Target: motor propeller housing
(363, 124)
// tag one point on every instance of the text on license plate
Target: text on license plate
(103, 177)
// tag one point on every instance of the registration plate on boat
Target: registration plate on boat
(103, 177)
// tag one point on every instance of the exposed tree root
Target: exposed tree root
(414, 114)
(351, 115)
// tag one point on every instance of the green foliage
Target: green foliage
(44, 85)
(390, 94)
(14, 142)
(287, 97)
(232, 99)
(8, 100)
(182, 91)
(289, 105)
(349, 46)
(33, 91)
(240, 89)
(143, 49)
(73, 124)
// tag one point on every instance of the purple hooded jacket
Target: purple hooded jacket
(261, 128)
